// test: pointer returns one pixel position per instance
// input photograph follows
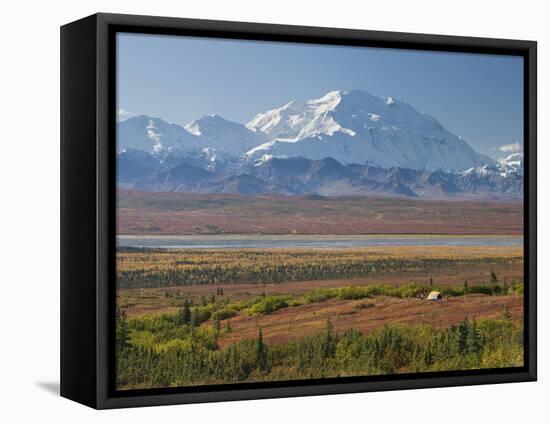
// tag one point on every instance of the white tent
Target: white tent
(435, 295)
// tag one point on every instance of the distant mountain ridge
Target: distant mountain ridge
(344, 143)
(328, 177)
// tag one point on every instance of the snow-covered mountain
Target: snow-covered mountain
(208, 136)
(511, 164)
(350, 127)
(505, 176)
(357, 127)
(504, 167)
(344, 143)
(154, 136)
(223, 136)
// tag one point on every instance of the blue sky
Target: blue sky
(478, 97)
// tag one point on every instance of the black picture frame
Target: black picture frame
(88, 208)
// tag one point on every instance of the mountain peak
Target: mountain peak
(222, 135)
(152, 135)
(357, 127)
(512, 157)
(194, 127)
(513, 163)
(328, 102)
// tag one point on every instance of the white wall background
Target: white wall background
(29, 178)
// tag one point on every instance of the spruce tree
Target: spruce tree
(261, 353)
(463, 336)
(466, 288)
(494, 282)
(428, 354)
(328, 343)
(122, 332)
(474, 339)
(186, 312)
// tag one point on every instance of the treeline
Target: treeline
(156, 269)
(494, 287)
(158, 351)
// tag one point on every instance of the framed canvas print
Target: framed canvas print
(255, 211)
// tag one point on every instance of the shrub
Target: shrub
(269, 304)
(223, 314)
(353, 293)
(319, 295)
